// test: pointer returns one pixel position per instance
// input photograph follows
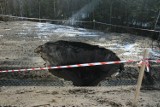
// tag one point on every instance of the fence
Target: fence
(26, 74)
(144, 63)
(40, 76)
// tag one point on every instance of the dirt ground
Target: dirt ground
(76, 97)
(18, 40)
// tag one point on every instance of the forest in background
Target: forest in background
(133, 13)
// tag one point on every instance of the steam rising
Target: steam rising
(83, 12)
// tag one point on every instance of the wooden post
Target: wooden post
(140, 77)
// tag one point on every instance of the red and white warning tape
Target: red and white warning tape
(146, 64)
(82, 65)
(69, 66)
(156, 61)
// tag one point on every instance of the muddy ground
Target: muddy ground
(18, 40)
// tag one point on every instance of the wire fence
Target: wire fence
(20, 54)
(44, 78)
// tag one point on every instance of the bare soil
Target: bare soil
(18, 39)
(76, 97)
